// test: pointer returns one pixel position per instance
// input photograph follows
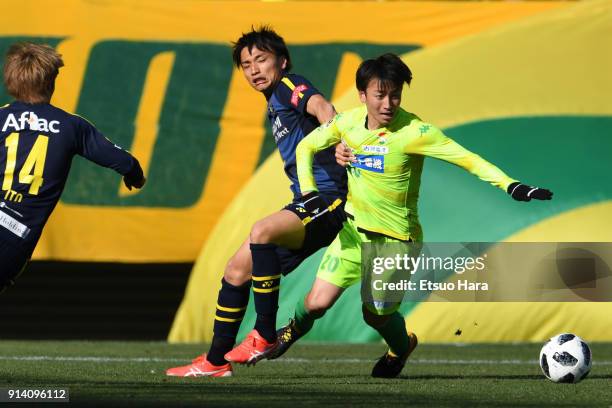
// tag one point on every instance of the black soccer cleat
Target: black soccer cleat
(390, 365)
(287, 335)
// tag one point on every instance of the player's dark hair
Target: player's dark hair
(388, 68)
(265, 39)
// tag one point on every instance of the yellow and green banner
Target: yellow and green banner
(524, 84)
(532, 96)
(156, 77)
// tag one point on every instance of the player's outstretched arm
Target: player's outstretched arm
(523, 192)
(92, 145)
(435, 144)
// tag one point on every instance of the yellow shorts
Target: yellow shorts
(341, 264)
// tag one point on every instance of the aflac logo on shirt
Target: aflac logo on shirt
(32, 121)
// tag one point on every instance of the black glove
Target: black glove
(523, 192)
(135, 177)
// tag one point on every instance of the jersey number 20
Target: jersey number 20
(35, 161)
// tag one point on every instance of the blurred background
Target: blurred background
(526, 85)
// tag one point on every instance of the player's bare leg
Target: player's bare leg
(238, 268)
(322, 296)
(282, 228)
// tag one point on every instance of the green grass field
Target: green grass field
(132, 374)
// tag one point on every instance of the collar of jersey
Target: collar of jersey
(285, 75)
(389, 128)
(26, 104)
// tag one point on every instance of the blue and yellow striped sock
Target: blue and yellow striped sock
(266, 285)
(231, 307)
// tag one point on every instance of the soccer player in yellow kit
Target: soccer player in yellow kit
(389, 146)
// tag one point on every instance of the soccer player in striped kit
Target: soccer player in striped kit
(280, 242)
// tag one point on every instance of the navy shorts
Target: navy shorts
(12, 262)
(322, 220)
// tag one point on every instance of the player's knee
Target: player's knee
(317, 304)
(373, 320)
(235, 274)
(262, 233)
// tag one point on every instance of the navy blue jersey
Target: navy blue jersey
(37, 144)
(290, 124)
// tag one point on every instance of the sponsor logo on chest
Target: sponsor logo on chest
(29, 120)
(375, 149)
(370, 162)
(278, 129)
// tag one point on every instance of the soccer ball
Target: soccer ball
(565, 358)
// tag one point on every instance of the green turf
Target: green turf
(309, 375)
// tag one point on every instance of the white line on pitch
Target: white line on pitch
(282, 360)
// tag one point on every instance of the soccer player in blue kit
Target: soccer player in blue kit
(37, 144)
(278, 243)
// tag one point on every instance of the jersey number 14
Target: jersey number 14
(32, 171)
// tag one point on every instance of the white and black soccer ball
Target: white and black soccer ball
(565, 358)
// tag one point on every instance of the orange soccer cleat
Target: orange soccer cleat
(252, 349)
(201, 367)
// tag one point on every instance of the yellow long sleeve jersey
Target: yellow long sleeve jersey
(384, 182)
